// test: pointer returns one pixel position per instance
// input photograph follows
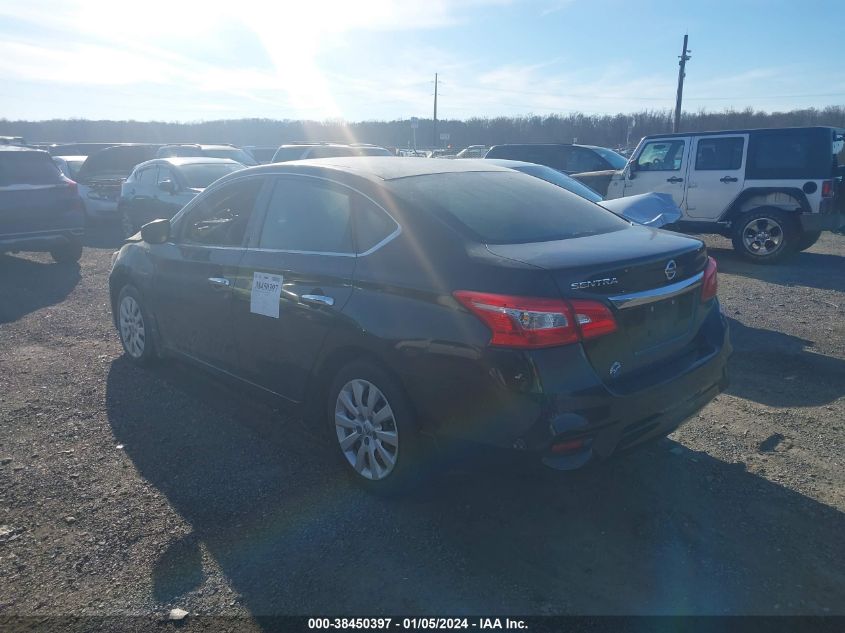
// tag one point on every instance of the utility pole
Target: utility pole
(436, 138)
(681, 74)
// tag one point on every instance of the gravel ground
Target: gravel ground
(128, 491)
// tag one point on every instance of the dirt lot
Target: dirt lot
(125, 491)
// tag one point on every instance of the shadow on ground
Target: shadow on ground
(763, 358)
(662, 530)
(103, 235)
(813, 270)
(27, 285)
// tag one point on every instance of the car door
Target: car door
(195, 273)
(168, 203)
(716, 175)
(293, 281)
(661, 166)
(140, 198)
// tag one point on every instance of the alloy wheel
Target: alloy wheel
(132, 330)
(366, 429)
(762, 236)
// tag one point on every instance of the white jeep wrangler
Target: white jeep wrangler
(772, 191)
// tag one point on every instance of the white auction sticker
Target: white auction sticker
(266, 290)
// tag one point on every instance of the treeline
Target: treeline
(619, 130)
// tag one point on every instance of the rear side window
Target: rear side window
(307, 214)
(719, 153)
(28, 168)
(221, 218)
(372, 224)
(789, 154)
(506, 207)
(661, 156)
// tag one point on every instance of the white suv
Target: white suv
(770, 190)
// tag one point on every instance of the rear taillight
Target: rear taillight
(529, 322)
(827, 189)
(710, 282)
(70, 184)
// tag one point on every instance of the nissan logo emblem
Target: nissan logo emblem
(671, 270)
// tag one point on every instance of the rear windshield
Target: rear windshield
(506, 207)
(200, 175)
(28, 168)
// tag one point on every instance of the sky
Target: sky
(187, 60)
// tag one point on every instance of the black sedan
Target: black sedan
(400, 297)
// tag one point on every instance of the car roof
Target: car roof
(179, 161)
(745, 131)
(381, 167)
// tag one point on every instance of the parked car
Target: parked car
(772, 191)
(13, 140)
(159, 188)
(102, 174)
(40, 209)
(209, 151)
(69, 165)
(565, 157)
(325, 150)
(394, 297)
(263, 154)
(473, 151)
(649, 209)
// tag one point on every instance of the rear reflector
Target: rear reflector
(570, 446)
(710, 283)
(529, 322)
(827, 189)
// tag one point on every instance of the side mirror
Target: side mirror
(632, 169)
(167, 186)
(156, 232)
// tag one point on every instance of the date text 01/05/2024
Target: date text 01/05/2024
(417, 623)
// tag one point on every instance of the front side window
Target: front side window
(307, 214)
(719, 153)
(165, 174)
(200, 175)
(582, 159)
(661, 156)
(221, 218)
(146, 177)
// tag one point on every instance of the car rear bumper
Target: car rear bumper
(552, 398)
(822, 221)
(40, 241)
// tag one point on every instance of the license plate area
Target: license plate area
(660, 322)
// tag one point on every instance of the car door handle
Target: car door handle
(674, 179)
(219, 282)
(322, 300)
(728, 179)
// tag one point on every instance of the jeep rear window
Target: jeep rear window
(28, 168)
(506, 207)
(790, 154)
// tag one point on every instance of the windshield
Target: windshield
(200, 175)
(617, 161)
(561, 180)
(506, 207)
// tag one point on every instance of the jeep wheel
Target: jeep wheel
(807, 239)
(765, 236)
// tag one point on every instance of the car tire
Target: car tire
(807, 239)
(373, 430)
(134, 327)
(68, 253)
(766, 235)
